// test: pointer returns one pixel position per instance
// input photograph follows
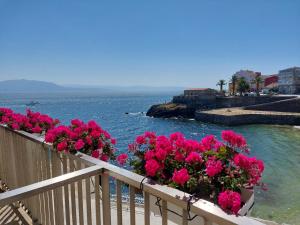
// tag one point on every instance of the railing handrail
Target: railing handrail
(47, 185)
(201, 207)
(177, 197)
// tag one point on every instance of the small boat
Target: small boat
(32, 103)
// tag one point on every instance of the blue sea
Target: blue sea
(124, 117)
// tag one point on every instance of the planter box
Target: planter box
(175, 212)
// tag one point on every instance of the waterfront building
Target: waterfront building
(249, 77)
(289, 81)
(270, 82)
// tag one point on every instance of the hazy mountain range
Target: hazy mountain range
(34, 86)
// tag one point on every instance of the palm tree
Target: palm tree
(257, 81)
(243, 86)
(221, 83)
(234, 80)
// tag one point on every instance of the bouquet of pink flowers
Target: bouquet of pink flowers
(87, 138)
(210, 169)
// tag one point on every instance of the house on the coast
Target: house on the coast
(249, 77)
(289, 81)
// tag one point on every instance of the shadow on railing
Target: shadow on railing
(63, 189)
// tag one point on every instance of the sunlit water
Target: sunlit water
(278, 146)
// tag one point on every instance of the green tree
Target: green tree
(234, 80)
(257, 81)
(221, 83)
(243, 86)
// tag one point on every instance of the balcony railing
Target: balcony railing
(63, 189)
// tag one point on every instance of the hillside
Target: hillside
(29, 86)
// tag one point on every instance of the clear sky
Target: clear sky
(191, 43)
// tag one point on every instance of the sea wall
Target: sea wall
(211, 102)
(289, 105)
(202, 101)
(250, 118)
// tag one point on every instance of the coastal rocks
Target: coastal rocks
(169, 110)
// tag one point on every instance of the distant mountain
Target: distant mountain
(34, 86)
(29, 86)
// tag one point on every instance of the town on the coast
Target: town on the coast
(250, 98)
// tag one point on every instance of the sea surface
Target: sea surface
(278, 146)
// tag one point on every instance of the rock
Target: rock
(169, 110)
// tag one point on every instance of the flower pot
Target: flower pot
(175, 212)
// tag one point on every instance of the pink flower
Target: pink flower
(160, 154)
(234, 139)
(79, 144)
(132, 147)
(230, 201)
(88, 140)
(95, 134)
(104, 157)
(181, 176)
(49, 137)
(151, 166)
(96, 154)
(149, 155)
(122, 158)
(62, 146)
(37, 129)
(113, 141)
(15, 126)
(194, 157)
(140, 140)
(252, 166)
(76, 122)
(208, 142)
(213, 167)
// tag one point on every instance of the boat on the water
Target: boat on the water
(32, 103)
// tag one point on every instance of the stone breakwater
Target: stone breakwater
(239, 116)
(232, 110)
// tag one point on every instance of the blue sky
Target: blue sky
(138, 42)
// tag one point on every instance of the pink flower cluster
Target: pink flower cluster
(32, 122)
(88, 138)
(230, 201)
(253, 167)
(181, 176)
(208, 165)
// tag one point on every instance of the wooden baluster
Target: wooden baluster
(184, 217)
(132, 204)
(106, 199)
(66, 191)
(119, 202)
(88, 200)
(97, 200)
(59, 215)
(146, 208)
(80, 195)
(164, 212)
(50, 193)
(73, 195)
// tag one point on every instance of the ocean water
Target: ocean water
(278, 146)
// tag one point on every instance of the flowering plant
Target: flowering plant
(210, 169)
(32, 122)
(88, 138)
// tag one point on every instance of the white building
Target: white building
(249, 76)
(289, 81)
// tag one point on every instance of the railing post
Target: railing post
(106, 199)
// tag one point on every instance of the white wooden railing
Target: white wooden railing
(63, 189)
